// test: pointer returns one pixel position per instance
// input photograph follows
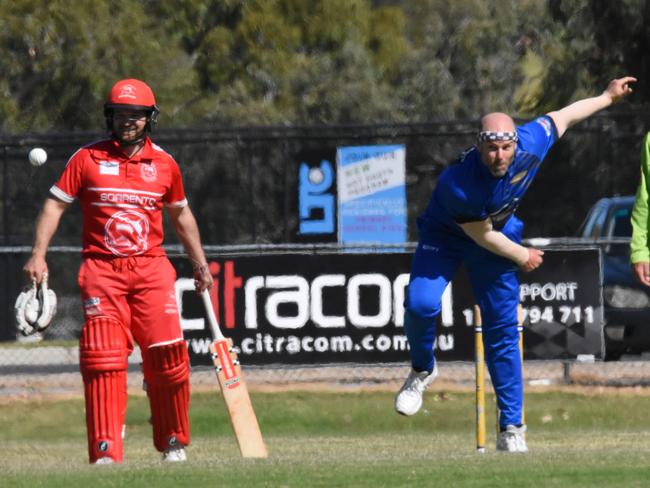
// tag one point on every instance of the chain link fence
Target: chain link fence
(57, 382)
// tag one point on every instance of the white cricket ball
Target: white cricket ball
(37, 156)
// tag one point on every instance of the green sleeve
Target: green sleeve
(639, 247)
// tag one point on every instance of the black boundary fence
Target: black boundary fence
(24, 366)
(242, 182)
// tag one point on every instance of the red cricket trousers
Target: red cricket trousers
(138, 291)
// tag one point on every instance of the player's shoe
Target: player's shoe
(513, 439)
(105, 460)
(409, 398)
(175, 454)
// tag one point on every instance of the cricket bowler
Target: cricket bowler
(470, 219)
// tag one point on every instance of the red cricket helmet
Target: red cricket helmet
(131, 94)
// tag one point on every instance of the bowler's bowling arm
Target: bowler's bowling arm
(494, 241)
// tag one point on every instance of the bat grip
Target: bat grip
(212, 319)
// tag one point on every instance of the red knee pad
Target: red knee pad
(167, 373)
(104, 347)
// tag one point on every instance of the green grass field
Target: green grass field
(343, 439)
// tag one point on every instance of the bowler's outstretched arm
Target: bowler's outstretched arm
(582, 109)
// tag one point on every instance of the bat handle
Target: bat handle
(212, 319)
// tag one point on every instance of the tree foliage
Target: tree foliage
(586, 44)
(290, 62)
(59, 62)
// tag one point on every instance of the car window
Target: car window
(595, 221)
(598, 229)
(621, 225)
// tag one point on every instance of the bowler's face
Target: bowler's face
(497, 156)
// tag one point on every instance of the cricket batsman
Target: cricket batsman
(470, 219)
(126, 280)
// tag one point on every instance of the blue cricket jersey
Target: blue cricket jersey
(468, 192)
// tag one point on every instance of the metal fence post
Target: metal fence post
(5, 198)
(566, 366)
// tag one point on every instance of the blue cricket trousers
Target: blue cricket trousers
(495, 286)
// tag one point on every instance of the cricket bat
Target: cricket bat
(233, 388)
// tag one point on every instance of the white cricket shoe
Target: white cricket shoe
(105, 460)
(409, 398)
(175, 454)
(513, 439)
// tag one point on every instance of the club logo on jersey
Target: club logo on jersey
(501, 216)
(546, 125)
(109, 168)
(127, 91)
(518, 177)
(127, 233)
(148, 172)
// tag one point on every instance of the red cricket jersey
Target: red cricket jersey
(121, 199)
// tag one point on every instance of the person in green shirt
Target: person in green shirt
(640, 245)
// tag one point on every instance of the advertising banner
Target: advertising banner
(331, 308)
(316, 196)
(371, 194)
(563, 307)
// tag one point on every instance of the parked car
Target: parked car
(626, 301)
